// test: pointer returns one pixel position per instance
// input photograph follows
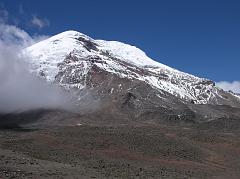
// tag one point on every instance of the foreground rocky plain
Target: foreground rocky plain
(78, 148)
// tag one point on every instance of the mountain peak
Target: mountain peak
(73, 55)
(70, 34)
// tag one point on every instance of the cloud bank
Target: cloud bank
(19, 89)
(230, 86)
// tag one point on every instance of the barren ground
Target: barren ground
(141, 150)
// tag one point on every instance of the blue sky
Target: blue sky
(198, 37)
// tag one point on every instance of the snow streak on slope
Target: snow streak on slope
(74, 54)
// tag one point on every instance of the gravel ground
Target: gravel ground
(142, 150)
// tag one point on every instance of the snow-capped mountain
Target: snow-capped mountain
(67, 58)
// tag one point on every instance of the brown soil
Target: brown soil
(124, 151)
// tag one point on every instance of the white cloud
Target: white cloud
(229, 86)
(20, 90)
(11, 34)
(39, 23)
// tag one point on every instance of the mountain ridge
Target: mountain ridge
(115, 57)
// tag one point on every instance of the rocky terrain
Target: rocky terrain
(134, 149)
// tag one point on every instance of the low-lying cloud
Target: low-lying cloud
(19, 89)
(230, 86)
